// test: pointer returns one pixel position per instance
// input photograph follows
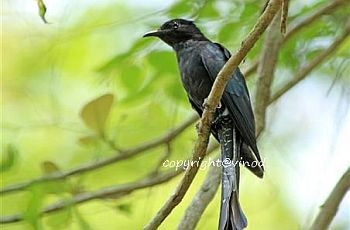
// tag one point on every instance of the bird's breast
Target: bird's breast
(194, 76)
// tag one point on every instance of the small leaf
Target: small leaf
(125, 208)
(55, 186)
(209, 10)
(228, 31)
(95, 113)
(9, 158)
(48, 167)
(61, 219)
(163, 62)
(88, 140)
(250, 10)
(42, 10)
(32, 213)
(84, 225)
(77, 189)
(119, 60)
(175, 91)
(181, 8)
(132, 78)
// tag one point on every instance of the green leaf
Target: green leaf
(118, 61)
(176, 92)
(143, 93)
(88, 140)
(132, 78)
(209, 10)
(42, 10)
(9, 158)
(95, 113)
(56, 186)
(163, 61)
(125, 208)
(32, 213)
(181, 8)
(250, 11)
(48, 167)
(228, 31)
(84, 225)
(60, 219)
(289, 57)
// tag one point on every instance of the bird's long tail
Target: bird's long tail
(231, 214)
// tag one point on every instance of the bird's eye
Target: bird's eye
(175, 26)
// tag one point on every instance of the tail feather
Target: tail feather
(231, 214)
(251, 162)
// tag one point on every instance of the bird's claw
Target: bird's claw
(205, 104)
(197, 126)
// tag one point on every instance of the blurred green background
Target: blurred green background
(50, 72)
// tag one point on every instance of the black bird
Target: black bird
(200, 60)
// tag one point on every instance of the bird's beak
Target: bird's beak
(155, 33)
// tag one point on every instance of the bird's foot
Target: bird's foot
(205, 104)
(216, 121)
(197, 126)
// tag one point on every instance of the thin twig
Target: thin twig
(330, 207)
(298, 26)
(266, 69)
(116, 191)
(304, 71)
(212, 102)
(284, 16)
(251, 69)
(124, 154)
(164, 156)
(326, 9)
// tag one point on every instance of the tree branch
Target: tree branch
(266, 69)
(331, 6)
(190, 220)
(201, 200)
(117, 192)
(312, 65)
(330, 207)
(207, 117)
(326, 9)
(284, 16)
(173, 134)
(122, 155)
(304, 71)
(251, 69)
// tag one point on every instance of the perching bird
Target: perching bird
(199, 61)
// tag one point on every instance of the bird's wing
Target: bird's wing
(235, 97)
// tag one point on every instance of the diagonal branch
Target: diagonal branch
(330, 207)
(284, 16)
(191, 220)
(117, 192)
(122, 155)
(298, 26)
(326, 9)
(266, 69)
(207, 117)
(201, 200)
(305, 70)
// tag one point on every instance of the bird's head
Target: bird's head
(176, 31)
